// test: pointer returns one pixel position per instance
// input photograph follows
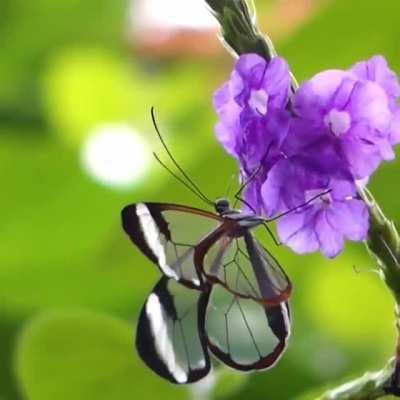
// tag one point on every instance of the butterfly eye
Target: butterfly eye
(222, 206)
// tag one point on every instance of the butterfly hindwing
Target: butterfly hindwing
(243, 333)
(168, 234)
(170, 334)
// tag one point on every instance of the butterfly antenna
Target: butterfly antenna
(181, 180)
(193, 187)
(229, 186)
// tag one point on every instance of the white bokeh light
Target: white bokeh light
(172, 14)
(116, 155)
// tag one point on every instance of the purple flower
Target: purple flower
(252, 109)
(334, 215)
(377, 70)
(344, 117)
(335, 131)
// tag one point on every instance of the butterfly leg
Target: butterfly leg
(276, 241)
(238, 198)
(300, 206)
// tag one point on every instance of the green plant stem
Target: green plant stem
(239, 32)
(238, 28)
(369, 386)
(383, 244)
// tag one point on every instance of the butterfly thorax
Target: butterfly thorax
(245, 220)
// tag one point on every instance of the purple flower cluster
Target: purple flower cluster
(318, 143)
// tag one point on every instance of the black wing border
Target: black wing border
(145, 346)
(131, 226)
(264, 363)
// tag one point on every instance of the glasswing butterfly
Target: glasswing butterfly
(221, 290)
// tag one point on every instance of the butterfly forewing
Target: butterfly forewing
(245, 268)
(170, 335)
(168, 234)
(245, 334)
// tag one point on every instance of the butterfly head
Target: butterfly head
(222, 206)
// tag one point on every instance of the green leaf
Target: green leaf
(85, 356)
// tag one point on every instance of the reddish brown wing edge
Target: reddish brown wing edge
(202, 248)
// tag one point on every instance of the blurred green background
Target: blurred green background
(77, 81)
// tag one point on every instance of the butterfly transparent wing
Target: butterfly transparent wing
(243, 333)
(170, 334)
(244, 267)
(167, 234)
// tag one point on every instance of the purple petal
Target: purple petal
(250, 126)
(277, 82)
(227, 139)
(301, 134)
(314, 97)
(343, 94)
(342, 189)
(296, 231)
(225, 106)
(261, 138)
(376, 69)
(330, 239)
(284, 187)
(362, 156)
(251, 68)
(386, 149)
(222, 96)
(318, 150)
(369, 106)
(253, 197)
(228, 128)
(351, 218)
(271, 193)
(277, 126)
(395, 128)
